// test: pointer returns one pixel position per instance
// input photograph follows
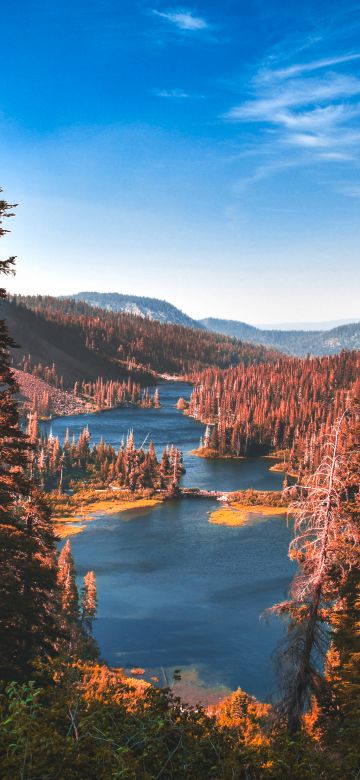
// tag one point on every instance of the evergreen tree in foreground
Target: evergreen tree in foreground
(75, 616)
(89, 600)
(27, 545)
(69, 596)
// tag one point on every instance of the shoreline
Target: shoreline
(72, 518)
(280, 466)
(70, 524)
(208, 454)
(99, 410)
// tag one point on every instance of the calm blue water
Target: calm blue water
(174, 590)
(169, 426)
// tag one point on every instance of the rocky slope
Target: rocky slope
(48, 400)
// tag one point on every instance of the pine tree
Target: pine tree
(27, 550)
(33, 428)
(89, 600)
(39, 592)
(207, 435)
(214, 438)
(130, 442)
(76, 619)
(165, 465)
(69, 597)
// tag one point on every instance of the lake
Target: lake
(175, 591)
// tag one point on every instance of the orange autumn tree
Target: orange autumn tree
(241, 711)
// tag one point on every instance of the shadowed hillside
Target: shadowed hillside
(65, 345)
(95, 340)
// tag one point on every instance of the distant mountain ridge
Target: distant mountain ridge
(291, 342)
(152, 308)
(326, 325)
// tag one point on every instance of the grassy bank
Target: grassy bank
(240, 514)
(70, 512)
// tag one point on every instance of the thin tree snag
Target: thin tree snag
(323, 545)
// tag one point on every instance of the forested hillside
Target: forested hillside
(291, 341)
(106, 342)
(48, 341)
(290, 405)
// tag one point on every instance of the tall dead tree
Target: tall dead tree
(324, 546)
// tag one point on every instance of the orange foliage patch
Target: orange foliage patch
(99, 683)
(244, 712)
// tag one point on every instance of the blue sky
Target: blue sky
(204, 153)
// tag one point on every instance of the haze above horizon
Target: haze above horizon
(200, 154)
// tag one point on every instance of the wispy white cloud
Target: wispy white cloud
(264, 171)
(170, 93)
(323, 141)
(318, 118)
(175, 93)
(305, 67)
(335, 156)
(183, 19)
(311, 107)
(295, 93)
(308, 140)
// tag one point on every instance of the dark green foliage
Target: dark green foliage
(27, 547)
(58, 734)
(72, 731)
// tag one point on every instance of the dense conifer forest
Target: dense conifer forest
(288, 405)
(57, 465)
(64, 714)
(129, 341)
